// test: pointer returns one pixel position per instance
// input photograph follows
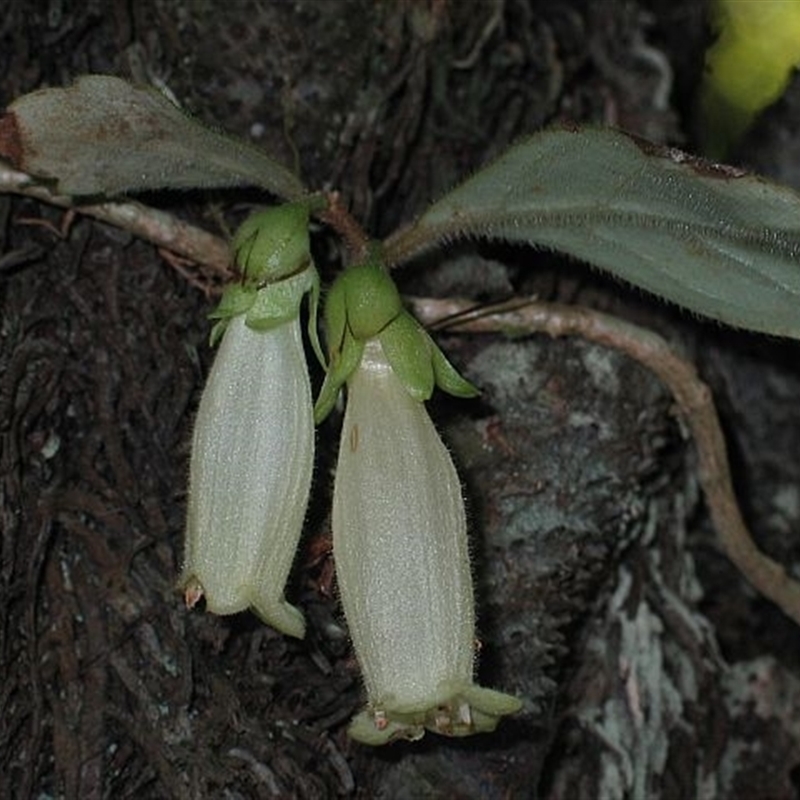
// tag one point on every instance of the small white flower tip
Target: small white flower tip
(472, 710)
(282, 616)
(277, 613)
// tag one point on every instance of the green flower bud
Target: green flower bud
(371, 298)
(273, 244)
(402, 563)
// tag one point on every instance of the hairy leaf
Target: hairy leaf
(711, 238)
(104, 136)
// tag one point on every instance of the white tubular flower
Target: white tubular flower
(252, 457)
(253, 444)
(402, 562)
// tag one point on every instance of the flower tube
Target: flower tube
(402, 563)
(253, 442)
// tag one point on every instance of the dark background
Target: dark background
(649, 668)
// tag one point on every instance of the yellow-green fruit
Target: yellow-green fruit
(748, 67)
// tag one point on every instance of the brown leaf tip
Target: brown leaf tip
(11, 148)
(702, 166)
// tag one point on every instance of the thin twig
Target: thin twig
(343, 222)
(691, 394)
(158, 227)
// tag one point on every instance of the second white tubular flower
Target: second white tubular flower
(402, 561)
(252, 457)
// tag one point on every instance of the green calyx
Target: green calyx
(272, 244)
(270, 306)
(364, 304)
(272, 251)
(362, 301)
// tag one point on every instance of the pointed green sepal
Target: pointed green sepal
(217, 331)
(408, 350)
(342, 365)
(313, 314)
(272, 244)
(488, 705)
(448, 378)
(236, 300)
(418, 362)
(335, 317)
(279, 302)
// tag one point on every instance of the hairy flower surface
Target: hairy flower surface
(402, 562)
(253, 444)
(252, 456)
